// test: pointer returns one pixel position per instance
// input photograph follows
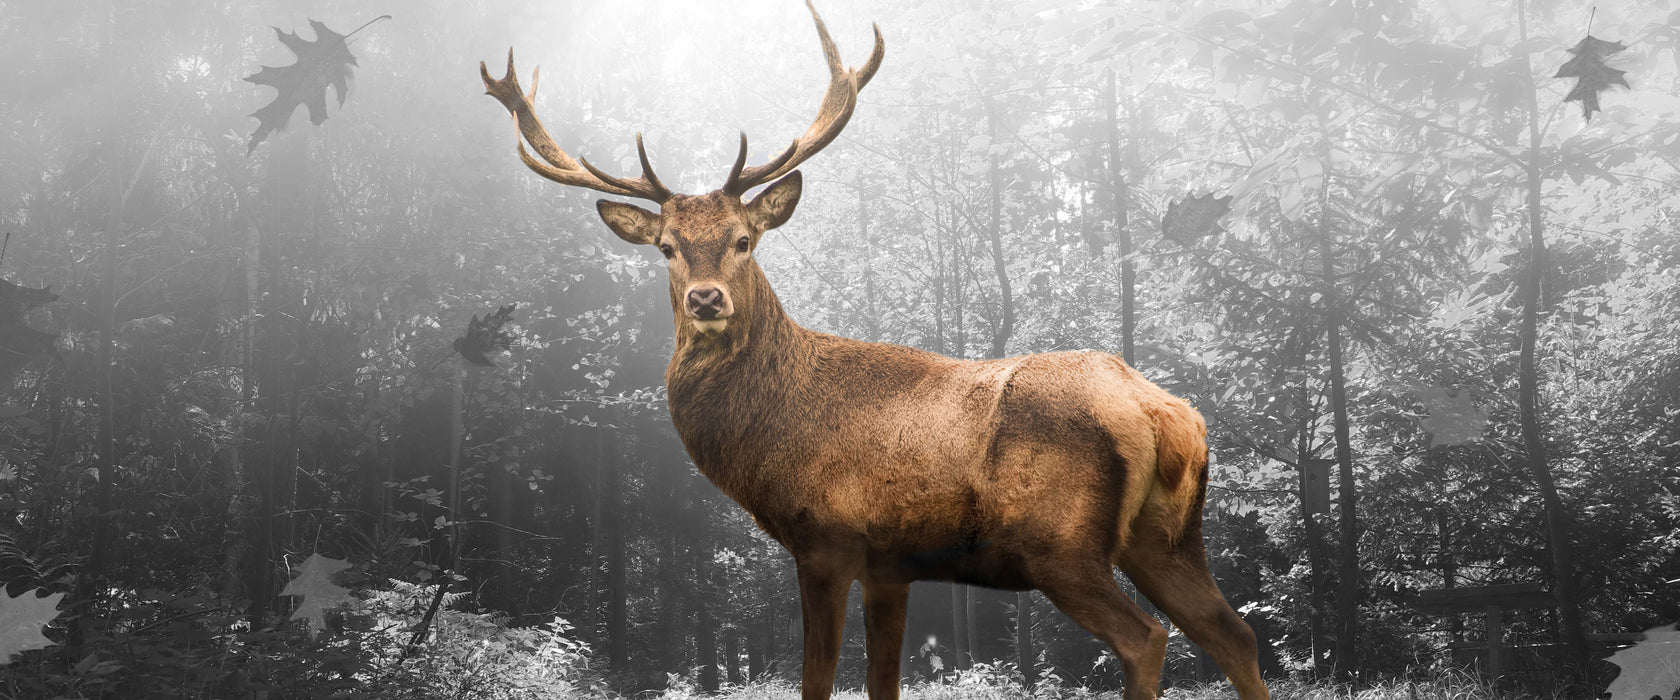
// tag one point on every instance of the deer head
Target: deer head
(707, 240)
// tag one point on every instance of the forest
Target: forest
(310, 389)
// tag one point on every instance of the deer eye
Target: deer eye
(744, 244)
(667, 249)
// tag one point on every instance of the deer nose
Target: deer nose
(705, 302)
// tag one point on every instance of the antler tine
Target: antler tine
(647, 171)
(838, 102)
(560, 166)
(735, 170)
(874, 62)
(648, 182)
(738, 186)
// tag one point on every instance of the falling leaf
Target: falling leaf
(1650, 668)
(1592, 75)
(18, 342)
(22, 621)
(485, 337)
(324, 62)
(1194, 217)
(314, 584)
(1452, 418)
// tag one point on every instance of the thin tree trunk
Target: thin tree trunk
(732, 655)
(450, 560)
(617, 608)
(959, 624)
(971, 595)
(1528, 390)
(959, 334)
(705, 638)
(240, 507)
(994, 178)
(1121, 195)
(98, 562)
(1025, 654)
(758, 643)
(500, 489)
(1316, 561)
(1347, 585)
(872, 315)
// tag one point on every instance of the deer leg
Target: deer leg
(884, 604)
(822, 598)
(1089, 596)
(1178, 582)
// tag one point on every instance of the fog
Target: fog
(1413, 262)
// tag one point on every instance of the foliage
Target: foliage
(277, 388)
(181, 647)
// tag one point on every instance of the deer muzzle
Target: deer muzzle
(709, 307)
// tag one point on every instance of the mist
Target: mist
(1414, 264)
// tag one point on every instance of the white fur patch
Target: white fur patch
(711, 325)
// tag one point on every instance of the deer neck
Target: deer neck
(728, 390)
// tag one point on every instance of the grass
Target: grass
(1450, 686)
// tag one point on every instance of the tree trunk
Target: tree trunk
(994, 177)
(732, 655)
(973, 643)
(618, 621)
(959, 333)
(758, 644)
(1120, 195)
(1347, 585)
(705, 638)
(1528, 390)
(1025, 654)
(959, 626)
(500, 487)
(98, 561)
(1316, 561)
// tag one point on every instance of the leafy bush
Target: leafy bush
(185, 647)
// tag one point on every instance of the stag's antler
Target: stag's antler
(837, 105)
(561, 167)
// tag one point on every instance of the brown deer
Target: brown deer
(887, 464)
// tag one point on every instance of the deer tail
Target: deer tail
(1181, 463)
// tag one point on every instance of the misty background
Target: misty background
(250, 356)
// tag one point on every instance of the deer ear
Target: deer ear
(630, 222)
(774, 206)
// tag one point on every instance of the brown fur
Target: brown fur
(887, 464)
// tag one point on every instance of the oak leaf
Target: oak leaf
(22, 619)
(321, 63)
(1650, 668)
(1592, 74)
(1451, 418)
(1194, 217)
(19, 344)
(314, 584)
(485, 337)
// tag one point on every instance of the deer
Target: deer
(885, 464)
